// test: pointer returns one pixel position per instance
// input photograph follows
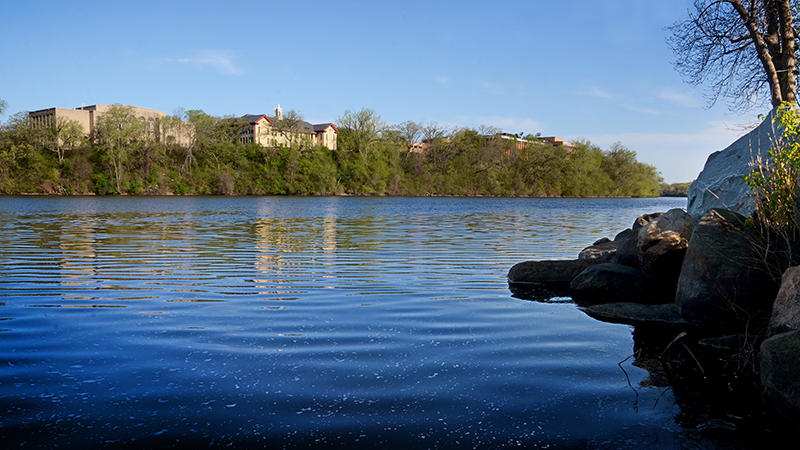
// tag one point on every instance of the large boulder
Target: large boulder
(720, 184)
(603, 283)
(662, 245)
(726, 284)
(786, 309)
(779, 368)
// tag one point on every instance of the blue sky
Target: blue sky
(598, 70)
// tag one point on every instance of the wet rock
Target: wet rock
(725, 284)
(601, 251)
(662, 245)
(637, 314)
(603, 283)
(627, 252)
(627, 241)
(786, 309)
(552, 271)
(545, 279)
(644, 219)
(779, 369)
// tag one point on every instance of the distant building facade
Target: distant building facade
(267, 131)
(87, 116)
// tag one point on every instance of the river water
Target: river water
(280, 322)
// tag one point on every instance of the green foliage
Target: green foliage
(775, 180)
(196, 153)
(674, 190)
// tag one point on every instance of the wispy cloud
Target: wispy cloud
(623, 101)
(679, 156)
(219, 60)
(444, 81)
(493, 87)
(679, 98)
(595, 92)
(644, 104)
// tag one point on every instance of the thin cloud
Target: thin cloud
(444, 81)
(641, 109)
(679, 98)
(494, 88)
(595, 92)
(218, 60)
(679, 156)
(623, 101)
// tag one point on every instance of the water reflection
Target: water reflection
(717, 401)
(284, 322)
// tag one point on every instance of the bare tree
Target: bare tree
(433, 132)
(743, 48)
(117, 129)
(62, 135)
(410, 132)
(362, 128)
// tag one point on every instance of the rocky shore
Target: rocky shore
(710, 275)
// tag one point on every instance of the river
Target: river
(286, 322)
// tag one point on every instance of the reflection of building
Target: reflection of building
(276, 130)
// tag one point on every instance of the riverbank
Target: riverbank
(717, 287)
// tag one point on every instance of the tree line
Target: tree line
(191, 152)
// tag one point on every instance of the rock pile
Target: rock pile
(717, 277)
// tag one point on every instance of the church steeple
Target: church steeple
(278, 112)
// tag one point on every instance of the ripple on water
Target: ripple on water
(300, 322)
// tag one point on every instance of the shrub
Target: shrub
(774, 180)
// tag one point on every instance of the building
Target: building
(87, 116)
(556, 142)
(276, 131)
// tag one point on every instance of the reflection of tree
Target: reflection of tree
(716, 398)
(78, 243)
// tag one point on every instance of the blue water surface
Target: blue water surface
(280, 322)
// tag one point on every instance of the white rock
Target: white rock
(721, 184)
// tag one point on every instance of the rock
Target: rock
(720, 184)
(725, 283)
(645, 219)
(545, 279)
(603, 283)
(637, 314)
(779, 368)
(627, 252)
(601, 251)
(553, 271)
(786, 309)
(662, 245)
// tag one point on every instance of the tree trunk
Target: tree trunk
(776, 48)
(788, 77)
